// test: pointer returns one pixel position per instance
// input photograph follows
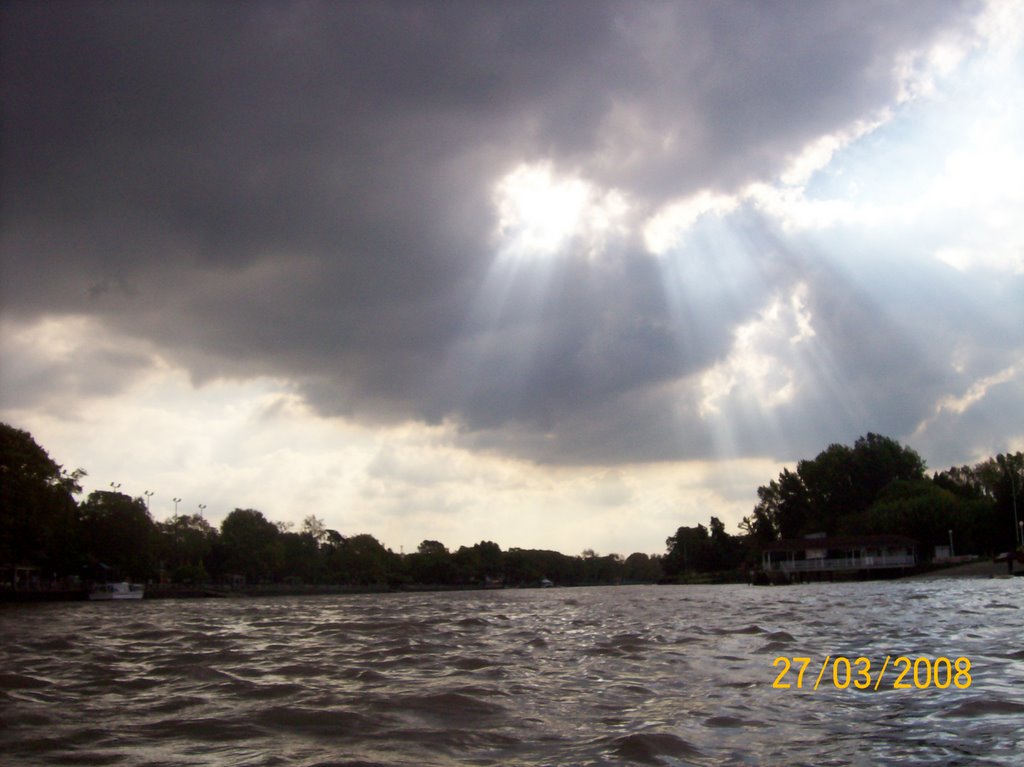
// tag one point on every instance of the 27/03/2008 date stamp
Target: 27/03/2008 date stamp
(906, 673)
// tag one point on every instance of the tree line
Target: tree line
(111, 535)
(876, 486)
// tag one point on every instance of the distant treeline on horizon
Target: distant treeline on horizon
(877, 486)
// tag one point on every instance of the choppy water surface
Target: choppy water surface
(646, 675)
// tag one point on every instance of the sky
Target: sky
(558, 275)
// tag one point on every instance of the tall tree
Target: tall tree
(431, 563)
(1003, 478)
(185, 545)
(38, 516)
(836, 484)
(251, 545)
(965, 481)
(876, 462)
(641, 568)
(118, 534)
(830, 488)
(314, 527)
(689, 550)
(362, 559)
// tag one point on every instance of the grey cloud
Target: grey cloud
(304, 190)
(65, 380)
(981, 430)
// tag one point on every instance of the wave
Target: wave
(641, 675)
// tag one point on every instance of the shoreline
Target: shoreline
(985, 568)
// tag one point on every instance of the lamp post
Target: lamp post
(149, 494)
(1016, 522)
(951, 544)
(176, 502)
(202, 508)
(116, 486)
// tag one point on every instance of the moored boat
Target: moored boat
(122, 590)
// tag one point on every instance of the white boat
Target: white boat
(122, 590)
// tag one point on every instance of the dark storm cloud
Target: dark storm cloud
(305, 190)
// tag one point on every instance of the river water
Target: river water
(673, 675)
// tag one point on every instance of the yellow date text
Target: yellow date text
(900, 673)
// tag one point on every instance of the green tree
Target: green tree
(479, 562)
(878, 461)
(529, 566)
(641, 568)
(118, 535)
(824, 491)
(362, 559)
(762, 524)
(490, 557)
(702, 550)
(251, 545)
(921, 510)
(315, 528)
(1003, 479)
(38, 515)
(185, 544)
(828, 487)
(689, 550)
(303, 556)
(431, 564)
(726, 550)
(964, 481)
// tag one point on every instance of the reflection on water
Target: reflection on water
(643, 675)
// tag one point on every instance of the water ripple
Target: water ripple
(603, 676)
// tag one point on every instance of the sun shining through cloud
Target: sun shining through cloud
(604, 270)
(540, 213)
(935, 173)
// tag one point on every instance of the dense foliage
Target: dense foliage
(112, 535)
(824, 494)
(879, 486)
(876, 486)
(38, 514)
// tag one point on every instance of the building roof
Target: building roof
(840, 542)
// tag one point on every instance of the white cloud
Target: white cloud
(975, 393)
(981, 178)
(669, 224)
(819, 153)
(62, 363)
(758, 366)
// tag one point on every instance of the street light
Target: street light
(1013, 486)
(149, 494)
(202, 508)
(176, 502)
(116, 486)
(950, 544)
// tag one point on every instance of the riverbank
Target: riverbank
(983, 568)
(219, 591)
